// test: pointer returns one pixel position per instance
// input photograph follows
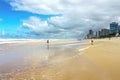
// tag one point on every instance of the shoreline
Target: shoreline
(64, 51)
(87, 62)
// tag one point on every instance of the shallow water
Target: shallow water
(16, 57)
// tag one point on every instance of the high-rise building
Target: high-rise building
(119, 29)
(114, 28)
(90, 34)
(97, 34)
(105, 32)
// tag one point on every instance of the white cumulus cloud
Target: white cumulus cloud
(46, 28)
(76, 16)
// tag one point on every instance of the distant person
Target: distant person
(47, 41)
(92, 42)
(47, 44)
(109, 38)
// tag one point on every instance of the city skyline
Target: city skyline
(112, 31)
(55, 19)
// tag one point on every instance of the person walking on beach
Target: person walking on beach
(92, 41)
(47, 44)
(47, 41)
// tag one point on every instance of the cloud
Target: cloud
(43, 28)
(36, 6)
(76, 16)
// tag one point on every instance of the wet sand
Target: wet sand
(23, 58)
(100, 61)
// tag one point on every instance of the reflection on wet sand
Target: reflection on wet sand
(18, 58)
(74, 69)
(59, 62)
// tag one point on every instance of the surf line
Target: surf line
(82, 49)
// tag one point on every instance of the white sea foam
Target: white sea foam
(7, 41)
(82, 49)
(4, 41)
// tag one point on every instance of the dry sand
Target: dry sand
(106, 55)
(100, 61)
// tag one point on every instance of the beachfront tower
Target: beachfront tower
(104, 32)
(91, 34)
(114, 28)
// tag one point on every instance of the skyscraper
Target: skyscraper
(90, 34)
(119, 29)
(104, 32)
(114, 28)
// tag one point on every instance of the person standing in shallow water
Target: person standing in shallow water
(92, 41)
(47, 44)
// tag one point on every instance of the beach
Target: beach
(63, 60)
(18, 56)
(106, 55)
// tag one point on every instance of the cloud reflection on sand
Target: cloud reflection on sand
(28, 56)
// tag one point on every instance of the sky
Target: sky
(45, 19)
